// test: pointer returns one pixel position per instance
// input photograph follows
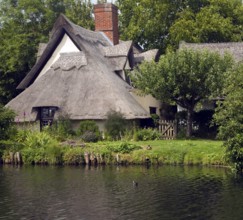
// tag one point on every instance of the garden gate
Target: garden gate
(168, 128)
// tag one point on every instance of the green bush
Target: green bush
(34, 156)
(36, 139)
(155, 119)
(129, 134)
(41, 148)
(73, 156)
(7, 146)
(147, 134)
(124, 148)
(54, 154)
(87, 125)
(6, 122)
(21, 135)
(234, 152)
(115, 125)
(61, 128)
(90, 136)
(89, 131)
(3, 146)
(48, 155)
(181, 133)
(11, 145)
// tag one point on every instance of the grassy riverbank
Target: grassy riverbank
(187, 152)
(176, 152)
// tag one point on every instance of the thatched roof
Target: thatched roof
(77, 34)
(119, 55)
(119, 50)
(234, 48)
(81, 84)
(42, 47)
(147, 56)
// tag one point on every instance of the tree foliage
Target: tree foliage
(22, 28)
(163, 24)
(115, 125)
(147, 22)
(80, 12)
(6, 119)
(218, 21)
(185, 77)
(89, 131)
(229, 117)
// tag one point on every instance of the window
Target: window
(152, 110)
(47, 115)
(47, 112)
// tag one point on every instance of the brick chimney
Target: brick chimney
(106, 20)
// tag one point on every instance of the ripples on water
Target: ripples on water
(108, 193)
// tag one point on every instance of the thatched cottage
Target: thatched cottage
(82, 74)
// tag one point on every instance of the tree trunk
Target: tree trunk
(189, 123)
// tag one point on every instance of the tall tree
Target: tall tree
(163, 23)
(24, 24)
(185, 77)
(229, 117)
(147, 22)
(219, 21)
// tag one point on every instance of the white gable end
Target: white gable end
(65, 46)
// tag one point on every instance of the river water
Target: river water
(104, 193)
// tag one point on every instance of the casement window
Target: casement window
(47, 115)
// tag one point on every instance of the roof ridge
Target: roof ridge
(215, 43)
(121, 49)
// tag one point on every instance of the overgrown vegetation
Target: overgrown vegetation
(147, 134)
(61, 128)
(115, 125)
(200, 21)
(6, 119)
(43, 148)
(136, 146)
(123, 148)
(6, 129)
(89, 131)
(229, 117)
(73, 156)
(40, 148)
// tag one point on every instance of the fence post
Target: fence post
(175, 128)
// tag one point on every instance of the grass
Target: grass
(187, 152)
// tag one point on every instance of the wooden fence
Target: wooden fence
(168, 128)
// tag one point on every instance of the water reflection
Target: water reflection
(107, 193)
